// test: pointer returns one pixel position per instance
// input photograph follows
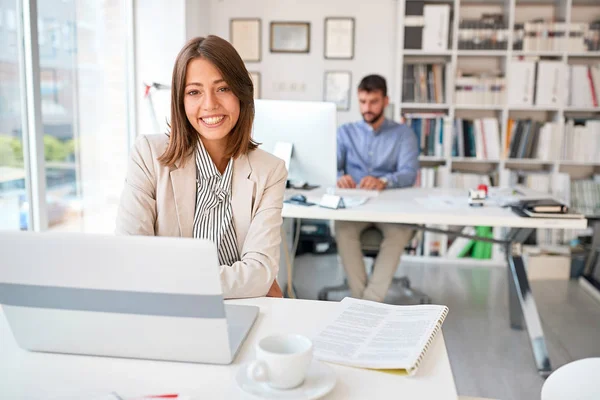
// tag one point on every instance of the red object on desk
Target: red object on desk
(163, 396)
(483, 187)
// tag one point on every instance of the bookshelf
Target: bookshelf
(432, 161)
(498, 61)
(424, 106)
(481, 53)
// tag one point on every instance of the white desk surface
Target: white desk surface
(418, 206)
(29, 375)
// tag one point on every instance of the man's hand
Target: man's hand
(372, 183)
(275, 290)
(346, 182)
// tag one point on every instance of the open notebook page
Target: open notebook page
(367, 334)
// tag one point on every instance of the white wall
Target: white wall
(162, 27)
(197, 18)
(373, 53)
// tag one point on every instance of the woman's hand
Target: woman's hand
(275, 290)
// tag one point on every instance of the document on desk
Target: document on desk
(443, 202)
(367, 334)
(369, 194)
(353, 197)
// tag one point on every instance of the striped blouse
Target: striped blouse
(213, 217)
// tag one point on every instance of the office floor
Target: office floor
(488, 358)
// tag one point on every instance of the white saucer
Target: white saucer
(320, 380)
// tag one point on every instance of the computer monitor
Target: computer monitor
(310, 127)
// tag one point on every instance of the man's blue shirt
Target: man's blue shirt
(391, 152)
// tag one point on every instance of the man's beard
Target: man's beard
(373, 120)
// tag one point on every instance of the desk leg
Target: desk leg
(514, 305)
(519, 287)
(595, 225)
(289, 245)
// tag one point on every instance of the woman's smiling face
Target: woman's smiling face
(210, 105)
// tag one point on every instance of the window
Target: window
(83, 83)
(13, 196)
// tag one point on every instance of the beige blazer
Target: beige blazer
(161, 201)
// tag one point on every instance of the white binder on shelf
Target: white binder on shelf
(550, 83)
(521, 83)
(437, 27)
(580, 87)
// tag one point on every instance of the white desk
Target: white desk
(413, 207)
(29, 375)
(407, 206)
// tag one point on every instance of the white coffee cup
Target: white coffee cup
(281, 360)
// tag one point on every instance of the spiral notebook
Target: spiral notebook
(366, 334)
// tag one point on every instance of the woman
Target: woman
(207, 179)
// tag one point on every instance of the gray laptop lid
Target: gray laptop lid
(139, 297)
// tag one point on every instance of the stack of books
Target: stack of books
(479, 138)
(490, 32)
(518, 36)
(585, 197)
(582, 140)
(540, 35)
(543, 208)
(533, 139)
(487, 90)
(424, 83)
(592, 39)
(429, 129)
(428, 178)
(582, 197)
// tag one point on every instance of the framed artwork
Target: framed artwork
(244, 35)
(337, 88)
(255, 76)
(290, 37)
(339, 38)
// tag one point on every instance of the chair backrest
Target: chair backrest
(370, 241)
(575, 380)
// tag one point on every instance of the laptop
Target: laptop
(141, 297)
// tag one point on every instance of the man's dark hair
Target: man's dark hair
(373, 83)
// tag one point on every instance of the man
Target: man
(374, 154)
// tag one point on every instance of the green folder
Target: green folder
(477, 249)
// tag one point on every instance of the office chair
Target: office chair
(575, 380)
(370, 240)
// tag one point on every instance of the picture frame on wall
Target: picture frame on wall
(245, 36)
(290, 37)
(339, 38)
(337, 89)
(255, 76)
